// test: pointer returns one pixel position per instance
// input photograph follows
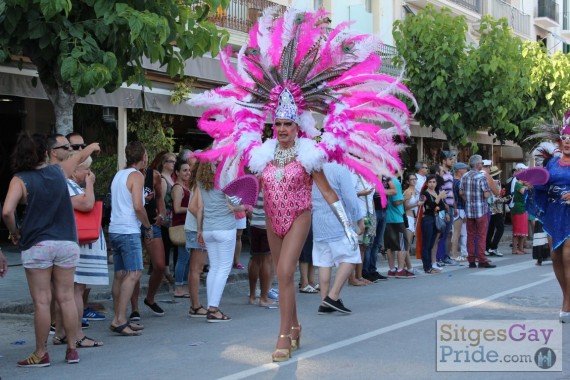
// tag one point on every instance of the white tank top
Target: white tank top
(123, 217)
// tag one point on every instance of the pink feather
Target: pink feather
(276, 42)
(326, 53)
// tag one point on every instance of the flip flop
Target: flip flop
(308, 290)
(269, 305)
(121, 330)
(182, 296)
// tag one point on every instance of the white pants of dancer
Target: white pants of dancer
(221, 246)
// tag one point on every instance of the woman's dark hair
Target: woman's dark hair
(429, 177)
(178, 164)
(30, 151)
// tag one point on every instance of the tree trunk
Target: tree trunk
(63, 104)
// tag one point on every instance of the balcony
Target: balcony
(240, 15)
(387, 53)
(518, 21)
(471, 9)
(546, 14)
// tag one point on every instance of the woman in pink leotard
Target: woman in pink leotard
(287, 192)
(293, 67)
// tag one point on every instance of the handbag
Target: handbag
(177, 235)
(440, 221)
(89, 223)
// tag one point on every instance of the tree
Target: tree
(464, 88)
(80, 46)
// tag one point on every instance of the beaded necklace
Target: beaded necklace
(282, 157)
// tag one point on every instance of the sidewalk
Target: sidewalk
(15, 297)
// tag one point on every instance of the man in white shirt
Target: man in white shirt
(421, 173)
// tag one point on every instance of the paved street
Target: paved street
(390, 334)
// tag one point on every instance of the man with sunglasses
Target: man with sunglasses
(58, 148)
(421, 173)
(75, 141)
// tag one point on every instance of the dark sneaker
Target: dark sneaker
(486, 265)
(369, 277)
(337, 305)
(71, 356)
(324, 310)
(449, 262)
(84, 323)
(35, 361)
(157, 310)
(380, 277)
(472, 265)
(52, 329)
(92, 315)
(135, 316)
(405, 274)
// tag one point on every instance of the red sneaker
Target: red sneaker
(405, 274)
(35, 361)
(392, 273)
(71, 356)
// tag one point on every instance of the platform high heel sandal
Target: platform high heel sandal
(282, 354)
(295, 343)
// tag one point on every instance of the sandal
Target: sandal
(59, 340)
(433, 271)
(281, 354)
(196, 313)
(295, 343)
(309, 290)
(80, 343)
(136, 326)
(121, 330)
(211, 316)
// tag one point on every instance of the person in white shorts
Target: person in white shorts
(330, 244)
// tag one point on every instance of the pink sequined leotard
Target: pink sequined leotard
(288, 198)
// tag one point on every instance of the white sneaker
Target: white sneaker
(564, 317)
(488, 252)
(494, 252)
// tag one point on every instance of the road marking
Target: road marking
(375, 333)
(501, 270)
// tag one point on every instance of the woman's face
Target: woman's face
(286, 131)
(169, 162)
(80, 173)
(184, 172)
(412, 180)
(431, 184)
(565, 144)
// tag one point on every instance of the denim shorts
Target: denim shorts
(156, 231)
(192, 241)
(45, 254)
(127, 252)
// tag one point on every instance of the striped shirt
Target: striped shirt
(448, 187)
(258, 214)
(474, 185)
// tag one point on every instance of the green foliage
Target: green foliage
(463, 88)
(104, 168)
(154, 130)
(182, 90)
(84, 45)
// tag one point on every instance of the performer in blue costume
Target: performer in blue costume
(551, 204)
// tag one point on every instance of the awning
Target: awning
(20, 84)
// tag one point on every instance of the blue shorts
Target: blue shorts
(156, 231)
(192, 241)
(127, 252)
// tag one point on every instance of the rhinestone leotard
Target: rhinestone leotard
(288, 198)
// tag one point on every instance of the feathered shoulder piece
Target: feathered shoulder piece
(294, 67)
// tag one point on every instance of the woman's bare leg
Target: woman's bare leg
(197, 261)
(39, 283)
(64, 294)
(286, 254)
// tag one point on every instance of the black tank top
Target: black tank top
(150, 204)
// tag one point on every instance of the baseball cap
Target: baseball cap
(487, 162)
(520, 166)
(460, 165)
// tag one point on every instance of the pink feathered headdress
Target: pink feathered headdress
(294, 66)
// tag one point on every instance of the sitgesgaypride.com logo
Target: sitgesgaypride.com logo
(499, 345)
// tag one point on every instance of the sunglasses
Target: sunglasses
(565, 137)
(78, 146)
(66, 147)
(169, 162)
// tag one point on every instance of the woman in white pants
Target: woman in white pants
(217, 231)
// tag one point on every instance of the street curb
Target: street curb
(26, 307)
